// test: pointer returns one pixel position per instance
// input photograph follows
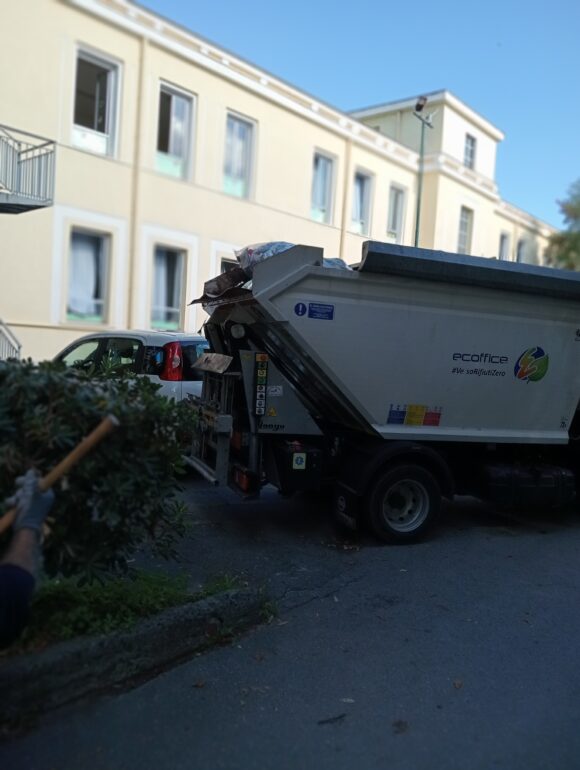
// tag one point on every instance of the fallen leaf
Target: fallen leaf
(400, 726)
(259, 656)
(199, 684)
(458, 684)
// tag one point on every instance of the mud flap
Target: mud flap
(345, 504)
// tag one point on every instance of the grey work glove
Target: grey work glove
(32, 505)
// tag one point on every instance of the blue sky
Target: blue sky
(516, 63)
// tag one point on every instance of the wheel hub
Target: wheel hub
(406, 505)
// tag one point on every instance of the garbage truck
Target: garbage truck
(407, 378)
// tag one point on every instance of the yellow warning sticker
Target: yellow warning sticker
(272, 412)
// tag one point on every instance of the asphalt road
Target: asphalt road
(457, 653)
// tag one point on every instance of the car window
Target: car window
(153, 360)
(82, 355)
(191, 352)
(121, 354)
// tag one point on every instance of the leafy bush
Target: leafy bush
(63, 610)
(121, 496)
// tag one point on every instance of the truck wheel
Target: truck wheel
(402, 503)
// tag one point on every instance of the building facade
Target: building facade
(172, 153)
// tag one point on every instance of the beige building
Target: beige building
(171, 153)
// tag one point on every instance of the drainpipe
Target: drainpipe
(345, 208)
(140, 121)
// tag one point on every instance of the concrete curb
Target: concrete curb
(40, 681)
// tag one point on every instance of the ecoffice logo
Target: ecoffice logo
(532, 365)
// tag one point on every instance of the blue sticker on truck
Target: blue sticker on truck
(300, 309)
(320, 311)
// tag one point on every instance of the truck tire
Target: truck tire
(402, 503)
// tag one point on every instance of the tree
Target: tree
(564, 247)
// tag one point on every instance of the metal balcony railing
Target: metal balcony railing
(9, 345)
(26, 170)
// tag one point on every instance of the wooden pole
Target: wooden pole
(103, 429)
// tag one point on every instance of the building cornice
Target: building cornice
(444, 164)
(523, 219)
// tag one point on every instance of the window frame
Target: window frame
(250, 162)
(168, 325)
(467, 247)
(470, 151)
(88, 139)
(367, 202)
(521, 250)
(398, 233)
(106, 239)
(187, 159)
(330, 185)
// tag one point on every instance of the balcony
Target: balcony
(27, 165)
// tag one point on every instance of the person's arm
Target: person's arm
(19, 565)
(23, 551)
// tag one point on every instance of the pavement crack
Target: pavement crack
(317, 595)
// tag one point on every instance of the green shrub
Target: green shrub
(63, 610)
(121, 496)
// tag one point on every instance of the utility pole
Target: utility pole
(426, 120)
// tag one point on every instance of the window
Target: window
(504, 246)
(191, 352)
(121, 354)
(94, 108)
(361, 203)
(521, 251)
(173, 133)
(395, 216)
(238, 156)
(321, 199)
(82, 356)
(167, 288)
(469, 151)
(87, 277)
(465, 231)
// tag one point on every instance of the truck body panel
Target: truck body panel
(409, 357)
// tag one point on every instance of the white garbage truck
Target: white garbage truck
(412, 377)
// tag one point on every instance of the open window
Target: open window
(173, 132)
(95, 102)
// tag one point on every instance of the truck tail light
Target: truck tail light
(173, 366)
(246, 481)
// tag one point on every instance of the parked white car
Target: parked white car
(167, 358)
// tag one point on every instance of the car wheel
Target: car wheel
(402, 503)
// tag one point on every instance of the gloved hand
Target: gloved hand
(32, 506)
